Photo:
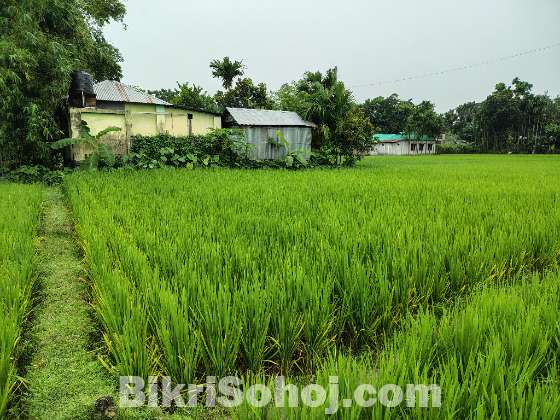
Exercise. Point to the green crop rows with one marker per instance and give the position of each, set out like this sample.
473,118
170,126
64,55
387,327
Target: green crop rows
20,206
265,272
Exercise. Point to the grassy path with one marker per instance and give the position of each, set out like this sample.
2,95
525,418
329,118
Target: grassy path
64,378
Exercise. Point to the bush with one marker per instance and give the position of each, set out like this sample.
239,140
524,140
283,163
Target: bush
455,148
223,147
26,174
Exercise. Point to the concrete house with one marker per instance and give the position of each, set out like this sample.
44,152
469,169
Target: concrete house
260,124
399,144
111,103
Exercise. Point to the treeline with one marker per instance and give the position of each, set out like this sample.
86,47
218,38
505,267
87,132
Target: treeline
511,119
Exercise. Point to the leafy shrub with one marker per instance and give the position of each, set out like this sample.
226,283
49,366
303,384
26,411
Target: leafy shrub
102,152
455,148
223,146
26,174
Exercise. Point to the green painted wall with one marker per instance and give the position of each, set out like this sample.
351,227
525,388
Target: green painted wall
144,119
145,124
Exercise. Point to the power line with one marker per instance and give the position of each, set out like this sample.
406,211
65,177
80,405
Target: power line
457,69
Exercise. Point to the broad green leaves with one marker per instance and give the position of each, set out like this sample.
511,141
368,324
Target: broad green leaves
102,151
106,154
290,154
66,142
91,162
227,70
106,131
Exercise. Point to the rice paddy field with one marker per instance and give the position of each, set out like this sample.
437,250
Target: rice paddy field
437,270
20,206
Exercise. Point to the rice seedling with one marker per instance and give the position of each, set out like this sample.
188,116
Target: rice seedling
265,271
20,206
257,311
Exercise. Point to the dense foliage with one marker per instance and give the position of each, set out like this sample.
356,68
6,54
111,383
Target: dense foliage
342,128
268,272
244,95
41,42
389,115
220,147
511,119
453,148
424,122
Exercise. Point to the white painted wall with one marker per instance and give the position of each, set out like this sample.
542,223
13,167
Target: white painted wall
402,148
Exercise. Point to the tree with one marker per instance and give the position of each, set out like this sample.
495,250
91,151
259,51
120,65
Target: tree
193,97
341,129
167,95
244,95
424,121
552,121
389,114
289,98
499,117
102,151
42,42
227,71
461,121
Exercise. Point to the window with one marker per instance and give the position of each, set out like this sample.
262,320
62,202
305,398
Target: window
430,147
413,147
421,147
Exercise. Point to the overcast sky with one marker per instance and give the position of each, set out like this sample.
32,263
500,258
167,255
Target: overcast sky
369,41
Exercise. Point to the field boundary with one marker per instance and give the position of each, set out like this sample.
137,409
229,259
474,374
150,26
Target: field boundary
64,377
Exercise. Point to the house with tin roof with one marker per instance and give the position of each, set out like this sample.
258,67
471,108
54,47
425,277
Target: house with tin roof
403,144
260,125
111,103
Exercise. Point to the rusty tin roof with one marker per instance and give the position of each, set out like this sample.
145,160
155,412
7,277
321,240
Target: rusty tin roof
111,90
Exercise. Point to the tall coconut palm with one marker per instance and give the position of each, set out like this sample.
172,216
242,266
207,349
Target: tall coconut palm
227,70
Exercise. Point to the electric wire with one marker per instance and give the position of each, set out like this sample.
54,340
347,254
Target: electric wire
457,69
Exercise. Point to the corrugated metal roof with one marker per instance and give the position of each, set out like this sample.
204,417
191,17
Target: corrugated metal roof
397,137
111,90
264,117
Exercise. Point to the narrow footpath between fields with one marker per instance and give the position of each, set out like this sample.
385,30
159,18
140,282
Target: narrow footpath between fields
65,377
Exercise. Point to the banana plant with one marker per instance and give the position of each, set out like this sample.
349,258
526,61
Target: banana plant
102,151
290,154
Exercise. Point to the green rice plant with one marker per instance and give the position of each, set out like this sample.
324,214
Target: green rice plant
250,407
314,259
219,328
256,312
494,358
177,337
314,300
20,206
286,325
125,322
